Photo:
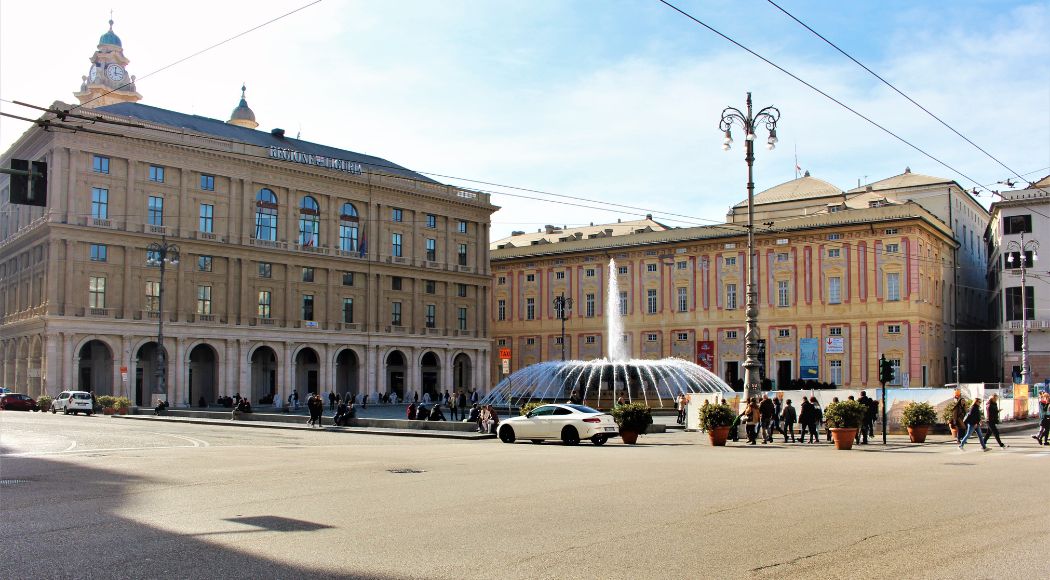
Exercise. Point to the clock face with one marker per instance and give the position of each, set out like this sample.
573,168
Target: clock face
93,74
115,72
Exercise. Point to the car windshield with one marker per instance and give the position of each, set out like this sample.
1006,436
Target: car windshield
81,396
583,408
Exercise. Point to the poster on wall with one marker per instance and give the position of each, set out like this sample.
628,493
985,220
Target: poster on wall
705,354
809,361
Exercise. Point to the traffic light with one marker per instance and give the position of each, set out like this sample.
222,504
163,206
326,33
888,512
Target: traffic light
29,189
885,371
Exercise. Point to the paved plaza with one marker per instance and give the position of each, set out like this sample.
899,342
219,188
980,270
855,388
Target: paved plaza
102,497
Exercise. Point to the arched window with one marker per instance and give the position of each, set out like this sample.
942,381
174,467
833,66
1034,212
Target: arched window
266,215
309,222
348,232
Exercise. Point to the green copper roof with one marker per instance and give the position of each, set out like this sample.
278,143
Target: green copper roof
109,37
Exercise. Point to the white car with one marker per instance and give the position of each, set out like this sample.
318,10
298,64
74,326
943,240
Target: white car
569,423
73,402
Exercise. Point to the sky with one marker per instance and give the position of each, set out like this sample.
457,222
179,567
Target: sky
615,101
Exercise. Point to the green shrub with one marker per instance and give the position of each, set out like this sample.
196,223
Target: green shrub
845,414
121,403
712,416
916,414
946,414
106,401
528,407
44,402
634,417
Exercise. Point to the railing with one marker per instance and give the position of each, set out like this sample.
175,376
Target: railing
159,230
348,326
206,236
397,329
464,269
99,222
205,317
434,331
467,333
1032,324
99,311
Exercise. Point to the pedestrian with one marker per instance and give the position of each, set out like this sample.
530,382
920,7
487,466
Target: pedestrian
364,401
992,409
873,403
410,412
862,433
808,418
789,416
766,411
473,396
959,416
452,407
973,424
734,428
316,407
680,407
1043,437
776,417
340,418
575,398
331,400
422,413
295,400
436,414
461,404
415,396
475,416
752,418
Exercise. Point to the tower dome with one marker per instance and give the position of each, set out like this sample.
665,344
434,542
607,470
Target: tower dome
110,37
243,116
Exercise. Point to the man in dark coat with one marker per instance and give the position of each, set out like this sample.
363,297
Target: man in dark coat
789,417
766,410
316,407
862,433
461,405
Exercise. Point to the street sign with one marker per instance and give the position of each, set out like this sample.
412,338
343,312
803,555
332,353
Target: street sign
124,374
504,353
506,366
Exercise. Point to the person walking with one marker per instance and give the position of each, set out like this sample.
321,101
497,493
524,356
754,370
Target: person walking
788,415
461,404
973,424
777,409
451,402
805,417
992,409
752,418
820,417
766,411
862,433
1044,419
959,416
316,407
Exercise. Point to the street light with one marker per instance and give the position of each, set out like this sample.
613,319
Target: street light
159,254
1022,248
561,304
749,122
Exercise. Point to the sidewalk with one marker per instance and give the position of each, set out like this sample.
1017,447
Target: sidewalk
263,423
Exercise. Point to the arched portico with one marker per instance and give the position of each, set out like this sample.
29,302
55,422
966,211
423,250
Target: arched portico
430,374
462,373
263,382
147,387
202,374
95,368
347,372
395,373
307,371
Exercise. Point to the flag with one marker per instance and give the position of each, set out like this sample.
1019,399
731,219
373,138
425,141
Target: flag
363,250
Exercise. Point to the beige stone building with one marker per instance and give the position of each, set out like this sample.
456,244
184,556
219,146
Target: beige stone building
836,289
301,266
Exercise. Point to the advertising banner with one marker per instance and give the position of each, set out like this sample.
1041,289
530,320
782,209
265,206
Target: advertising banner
705,354
809,360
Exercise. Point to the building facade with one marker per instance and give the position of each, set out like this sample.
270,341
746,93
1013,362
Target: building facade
302,267
1018,230
835,291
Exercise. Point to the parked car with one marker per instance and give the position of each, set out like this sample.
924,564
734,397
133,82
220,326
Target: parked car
73,402
569,423
17,402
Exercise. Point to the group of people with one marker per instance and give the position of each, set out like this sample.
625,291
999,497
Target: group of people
1044,419
967,421
769,415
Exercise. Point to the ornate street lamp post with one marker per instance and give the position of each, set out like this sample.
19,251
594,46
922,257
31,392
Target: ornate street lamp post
749,122
1022,248
561,304
159,254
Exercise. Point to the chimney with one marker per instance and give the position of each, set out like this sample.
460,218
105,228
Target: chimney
279,133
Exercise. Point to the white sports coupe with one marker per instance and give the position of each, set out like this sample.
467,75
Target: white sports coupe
570,423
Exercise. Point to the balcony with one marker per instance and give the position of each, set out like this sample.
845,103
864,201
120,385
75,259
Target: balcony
266,244
392,329
466,269
1032,324
348,326
206,236
97,312
262,322
158,230
467,333
396,260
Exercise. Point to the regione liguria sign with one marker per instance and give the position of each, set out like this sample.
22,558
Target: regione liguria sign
294,156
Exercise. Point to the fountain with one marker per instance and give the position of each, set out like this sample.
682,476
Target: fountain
657,383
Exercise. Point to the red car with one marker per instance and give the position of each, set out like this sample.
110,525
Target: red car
17,402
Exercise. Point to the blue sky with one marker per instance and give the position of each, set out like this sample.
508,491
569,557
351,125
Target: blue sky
615,100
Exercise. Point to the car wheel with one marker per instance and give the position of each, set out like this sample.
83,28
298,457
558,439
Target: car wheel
537,441
599,439
89,413
570,436
65,412
53,410
506,434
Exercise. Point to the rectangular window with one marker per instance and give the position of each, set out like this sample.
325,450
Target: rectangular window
530,341
395,282
834,252
590,339
650,301
834,236
530,309
893,286
890,231
730,296
1013,302
834,290
651,337
99,252
589,306
348,237
99,203
97,292
265,270
730,261
730,335
153,258
501,342
156,173
558,340
784,333
431,250
100,164
1017,224
530,277
207,182
836,372
650,267
589,272
461,227
559,275
431,316
152,296
501,309
203,299
308,274
682,265
204,263
395,245
835,331
782,256
207,218
893,248
397,215
623,303
783,293
1012,260
682,336
264,303
461,318
461,290
155,217
395,313
621,270
1018,343
683,299
308,306
893,329
462,254
348,310
432,221
502,280
897,376
348,278
430,287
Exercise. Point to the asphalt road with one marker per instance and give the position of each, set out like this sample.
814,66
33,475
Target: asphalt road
102,497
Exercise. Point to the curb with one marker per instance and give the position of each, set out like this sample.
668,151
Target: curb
331,429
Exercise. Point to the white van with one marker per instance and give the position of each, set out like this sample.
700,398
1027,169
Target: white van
73,402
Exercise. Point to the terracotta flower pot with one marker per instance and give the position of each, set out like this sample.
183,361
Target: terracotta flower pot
955,432
122,411
843,437
108,411
718,436
629,437
918,433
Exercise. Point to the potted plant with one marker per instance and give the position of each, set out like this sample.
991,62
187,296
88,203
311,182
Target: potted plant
844,418
121,404
918,417
633,419
716,419
949,410
43,403
107,403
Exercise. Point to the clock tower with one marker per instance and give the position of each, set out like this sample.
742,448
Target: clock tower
108,81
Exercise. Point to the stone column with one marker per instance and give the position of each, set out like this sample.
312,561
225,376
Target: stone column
288,374
68,361
178,371
376,382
